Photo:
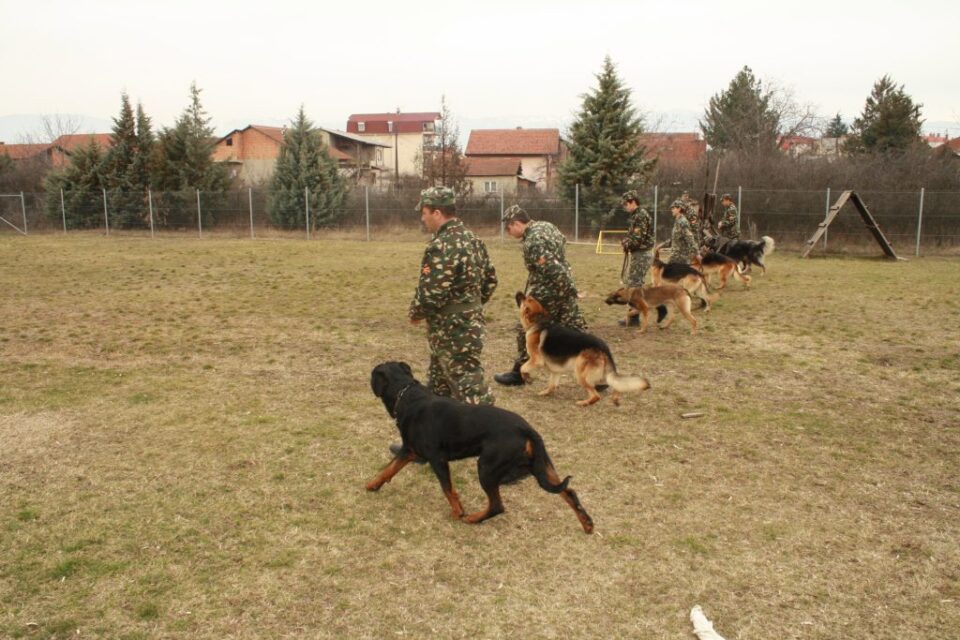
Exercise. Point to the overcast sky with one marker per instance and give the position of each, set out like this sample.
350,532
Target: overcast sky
498,63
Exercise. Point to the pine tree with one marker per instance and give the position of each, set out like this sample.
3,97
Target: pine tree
837,128
126,198
606,157
144,160
303,167
742,117
82,183
890,121
185,164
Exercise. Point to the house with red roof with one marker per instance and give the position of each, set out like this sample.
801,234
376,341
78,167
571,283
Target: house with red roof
540,151
407,135
251,153
58,152
677,150
494,176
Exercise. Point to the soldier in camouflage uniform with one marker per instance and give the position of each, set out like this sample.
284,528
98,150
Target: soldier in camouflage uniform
682,241
549,279
638,244
692,213
729,225
456,280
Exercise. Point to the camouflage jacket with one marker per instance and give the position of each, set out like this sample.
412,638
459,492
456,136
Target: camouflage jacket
455,270
728,226
640,234
693,216
682,242
544,255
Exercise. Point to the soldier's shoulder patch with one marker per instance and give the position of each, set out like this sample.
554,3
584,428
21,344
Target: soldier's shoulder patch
425,270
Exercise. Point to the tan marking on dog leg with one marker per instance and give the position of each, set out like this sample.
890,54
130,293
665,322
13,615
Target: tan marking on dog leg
570,497
494,507
552,385
685,310
388,472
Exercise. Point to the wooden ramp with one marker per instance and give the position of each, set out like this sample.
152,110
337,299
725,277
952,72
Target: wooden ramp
867,220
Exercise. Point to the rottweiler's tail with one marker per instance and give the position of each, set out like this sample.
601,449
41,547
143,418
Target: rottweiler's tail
542,468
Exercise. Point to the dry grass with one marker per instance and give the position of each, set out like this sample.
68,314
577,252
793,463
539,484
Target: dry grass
186,427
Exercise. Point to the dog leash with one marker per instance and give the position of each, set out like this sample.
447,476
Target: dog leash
396,403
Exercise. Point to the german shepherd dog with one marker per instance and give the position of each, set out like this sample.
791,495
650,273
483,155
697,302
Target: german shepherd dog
681,274
746,252
561,349
439,430
723,266
644,298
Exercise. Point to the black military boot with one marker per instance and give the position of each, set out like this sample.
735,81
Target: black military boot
634,321
511,378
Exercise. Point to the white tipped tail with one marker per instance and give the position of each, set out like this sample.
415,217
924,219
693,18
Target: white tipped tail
768,245
626,383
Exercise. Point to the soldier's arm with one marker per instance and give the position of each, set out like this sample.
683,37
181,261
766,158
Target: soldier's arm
488,282
433,289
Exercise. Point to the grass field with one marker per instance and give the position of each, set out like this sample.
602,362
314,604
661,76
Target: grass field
186,428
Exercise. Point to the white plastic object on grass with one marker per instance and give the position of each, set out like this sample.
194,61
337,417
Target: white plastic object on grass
702,627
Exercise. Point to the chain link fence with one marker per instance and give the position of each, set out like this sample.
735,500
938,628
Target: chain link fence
915,222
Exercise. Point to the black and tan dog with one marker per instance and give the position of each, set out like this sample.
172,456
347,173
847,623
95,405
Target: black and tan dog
439,430
723,266
644,298
685,275
562,349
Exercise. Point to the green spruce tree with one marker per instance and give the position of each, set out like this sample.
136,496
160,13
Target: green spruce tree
742,118
837,128
304,167
82,183
125,197
890,122
606,157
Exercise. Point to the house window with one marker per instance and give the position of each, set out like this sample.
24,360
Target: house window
389,126
489,186
379,156
361,126
428,126
229,142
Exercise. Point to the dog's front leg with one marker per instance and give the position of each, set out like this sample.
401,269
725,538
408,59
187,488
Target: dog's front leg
442,471
390,470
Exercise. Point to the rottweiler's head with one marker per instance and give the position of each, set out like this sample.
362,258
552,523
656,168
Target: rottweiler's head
531,311
387,379
620,296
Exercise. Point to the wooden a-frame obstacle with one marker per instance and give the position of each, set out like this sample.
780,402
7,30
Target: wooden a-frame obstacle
867,220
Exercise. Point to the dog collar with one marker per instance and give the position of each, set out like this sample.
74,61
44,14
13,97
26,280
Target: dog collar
396,403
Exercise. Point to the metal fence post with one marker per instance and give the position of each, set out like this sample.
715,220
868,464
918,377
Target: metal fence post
199,215
23,208
919,220
739,204
826,213
63,211
106,218
150,205
656,203
501,216
366,207
250,200
306,208
576,213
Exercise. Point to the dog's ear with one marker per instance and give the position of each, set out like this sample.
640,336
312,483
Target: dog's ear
379,381
406,367
520,298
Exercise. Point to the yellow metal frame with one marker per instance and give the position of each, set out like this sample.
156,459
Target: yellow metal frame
600,250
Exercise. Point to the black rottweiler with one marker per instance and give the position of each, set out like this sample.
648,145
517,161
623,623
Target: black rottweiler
440,429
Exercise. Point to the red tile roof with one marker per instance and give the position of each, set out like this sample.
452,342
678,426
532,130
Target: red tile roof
513,142
69,142
674,148
478,167
22,151
424,116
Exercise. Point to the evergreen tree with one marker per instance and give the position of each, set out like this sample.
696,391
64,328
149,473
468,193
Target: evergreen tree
606,157
837,128
82,183
303,167
185,163
126,198
743,117
144,160
890,121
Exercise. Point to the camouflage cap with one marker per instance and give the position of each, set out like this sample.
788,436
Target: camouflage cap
679,204
726,196
436,197
630,195
685,194
513,211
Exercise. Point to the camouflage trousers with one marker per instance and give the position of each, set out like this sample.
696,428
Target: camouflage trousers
456,341
563,311
637,271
